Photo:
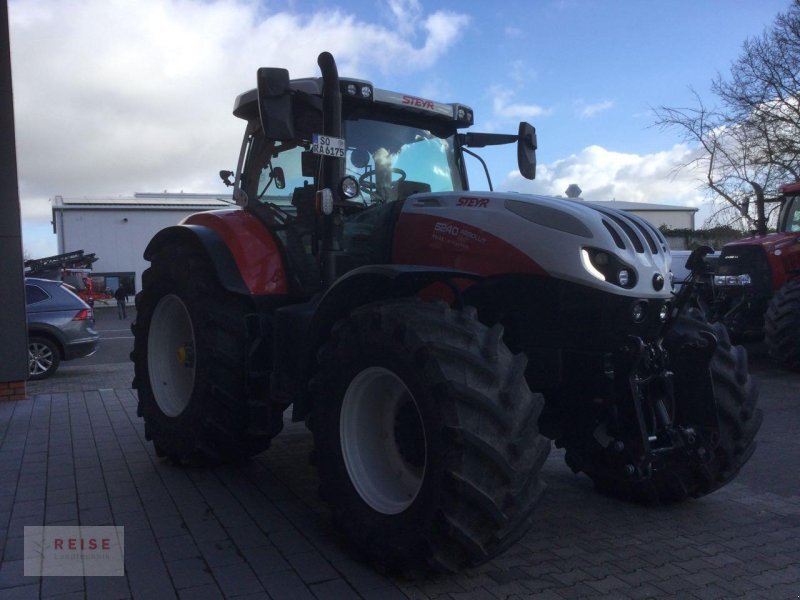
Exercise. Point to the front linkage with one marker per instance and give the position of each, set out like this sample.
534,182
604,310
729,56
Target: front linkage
648,427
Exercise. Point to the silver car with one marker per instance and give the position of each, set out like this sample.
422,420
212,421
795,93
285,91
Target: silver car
60,326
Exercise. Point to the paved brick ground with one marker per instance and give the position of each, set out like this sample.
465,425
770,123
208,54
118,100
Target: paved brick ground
258,530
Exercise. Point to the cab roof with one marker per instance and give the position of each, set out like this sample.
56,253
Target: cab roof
246,104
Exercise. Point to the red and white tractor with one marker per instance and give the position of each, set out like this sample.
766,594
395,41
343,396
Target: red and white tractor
434,339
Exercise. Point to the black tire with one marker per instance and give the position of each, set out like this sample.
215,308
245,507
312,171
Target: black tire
474,440
219,414
735,396
43,358
782,326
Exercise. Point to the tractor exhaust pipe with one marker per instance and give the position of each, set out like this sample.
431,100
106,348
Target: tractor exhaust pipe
331,117
332,168
761,217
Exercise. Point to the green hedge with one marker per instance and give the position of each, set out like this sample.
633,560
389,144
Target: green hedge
716,237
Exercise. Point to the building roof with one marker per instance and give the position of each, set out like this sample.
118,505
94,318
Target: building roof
184,201
141,201
641,206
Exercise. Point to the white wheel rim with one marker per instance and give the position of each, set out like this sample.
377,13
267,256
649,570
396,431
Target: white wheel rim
171,359
40,358
385,471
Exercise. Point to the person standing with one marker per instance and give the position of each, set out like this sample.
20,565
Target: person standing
122,299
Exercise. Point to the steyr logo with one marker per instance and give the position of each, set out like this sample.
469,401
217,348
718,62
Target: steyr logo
418,102
473,202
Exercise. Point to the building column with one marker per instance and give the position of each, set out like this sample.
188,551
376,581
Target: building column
14,348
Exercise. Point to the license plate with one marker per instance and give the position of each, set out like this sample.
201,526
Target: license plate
327,145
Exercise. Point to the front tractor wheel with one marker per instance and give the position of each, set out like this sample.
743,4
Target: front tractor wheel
426,436
382,440
782,326
191,355
722,392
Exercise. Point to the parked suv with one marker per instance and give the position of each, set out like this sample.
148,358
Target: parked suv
60,326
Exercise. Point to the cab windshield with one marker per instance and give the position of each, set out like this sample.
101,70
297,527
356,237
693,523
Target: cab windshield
392,161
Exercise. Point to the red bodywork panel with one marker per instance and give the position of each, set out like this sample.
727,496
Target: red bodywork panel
253,247
436,241
783,254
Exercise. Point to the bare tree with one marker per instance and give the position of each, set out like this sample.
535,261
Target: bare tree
750,144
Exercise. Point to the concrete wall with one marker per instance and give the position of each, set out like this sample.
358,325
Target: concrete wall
118,237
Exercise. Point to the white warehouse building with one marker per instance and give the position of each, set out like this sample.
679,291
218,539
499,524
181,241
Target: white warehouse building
117,229
667,215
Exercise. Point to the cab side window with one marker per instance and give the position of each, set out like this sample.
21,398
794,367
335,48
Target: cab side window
793,219
282,175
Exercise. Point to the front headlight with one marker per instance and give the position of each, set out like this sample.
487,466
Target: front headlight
663,312
607,267
348,187
639,312
733,280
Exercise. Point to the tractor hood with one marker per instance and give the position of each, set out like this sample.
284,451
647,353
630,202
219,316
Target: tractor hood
770,242
493,233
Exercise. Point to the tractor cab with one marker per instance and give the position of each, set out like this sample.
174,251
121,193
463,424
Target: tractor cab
328,163
789,218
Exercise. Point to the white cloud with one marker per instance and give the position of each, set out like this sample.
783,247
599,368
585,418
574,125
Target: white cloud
506,108
406,14
522,73
118,96
586,111
607,175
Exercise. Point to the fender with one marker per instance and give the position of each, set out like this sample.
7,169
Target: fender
358,287
243,252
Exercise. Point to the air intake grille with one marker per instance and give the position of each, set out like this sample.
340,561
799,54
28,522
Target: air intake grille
629,231
617,237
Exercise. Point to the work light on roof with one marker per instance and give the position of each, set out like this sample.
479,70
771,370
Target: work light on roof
356,89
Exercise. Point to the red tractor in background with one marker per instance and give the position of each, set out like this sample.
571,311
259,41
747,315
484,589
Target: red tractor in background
433,339
756,283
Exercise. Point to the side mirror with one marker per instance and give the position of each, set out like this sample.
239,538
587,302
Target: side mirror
275,104
359,158
278,177
309,164
526,150
696,261
226,177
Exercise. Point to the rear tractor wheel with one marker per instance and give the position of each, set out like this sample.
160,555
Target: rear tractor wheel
426,436
191,356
